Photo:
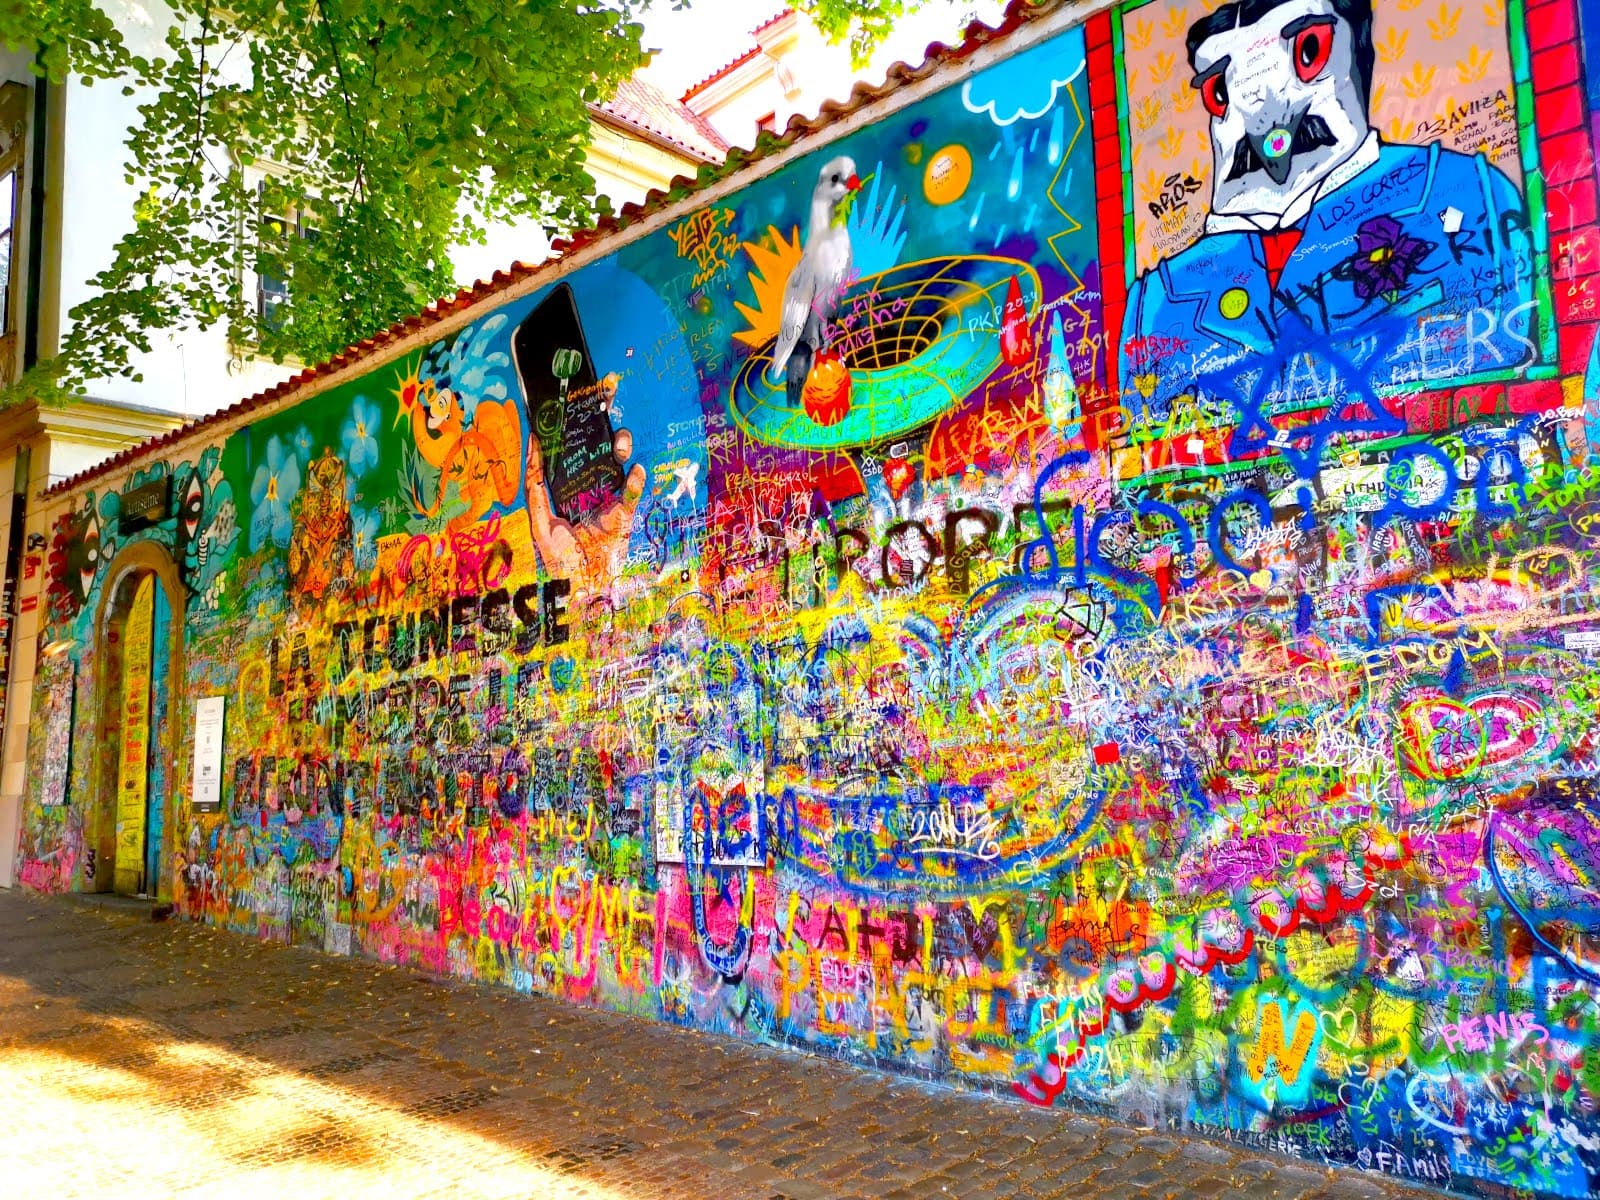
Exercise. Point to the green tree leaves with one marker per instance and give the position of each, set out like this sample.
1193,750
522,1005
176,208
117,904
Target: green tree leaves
385,130
338,147
864,22
63,36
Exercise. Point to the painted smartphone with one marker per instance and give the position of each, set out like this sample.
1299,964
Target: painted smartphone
569,407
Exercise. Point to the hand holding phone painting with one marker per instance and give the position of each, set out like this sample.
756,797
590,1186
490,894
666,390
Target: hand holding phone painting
550,420
564,366
584,549
580,503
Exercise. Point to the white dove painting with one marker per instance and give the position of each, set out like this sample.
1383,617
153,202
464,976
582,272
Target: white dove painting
811,295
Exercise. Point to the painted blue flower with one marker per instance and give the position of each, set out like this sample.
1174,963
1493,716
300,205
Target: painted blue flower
360,437
274,488
364,526
303,444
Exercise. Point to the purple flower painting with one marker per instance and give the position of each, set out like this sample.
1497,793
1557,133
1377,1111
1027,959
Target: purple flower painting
1386,257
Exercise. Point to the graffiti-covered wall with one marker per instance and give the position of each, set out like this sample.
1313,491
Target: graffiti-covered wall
1077,587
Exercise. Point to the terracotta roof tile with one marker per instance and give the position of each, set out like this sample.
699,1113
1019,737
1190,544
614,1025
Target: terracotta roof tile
977,35
729,68
642,104
782,14
722,72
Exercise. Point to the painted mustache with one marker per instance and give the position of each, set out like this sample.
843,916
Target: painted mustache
1306,133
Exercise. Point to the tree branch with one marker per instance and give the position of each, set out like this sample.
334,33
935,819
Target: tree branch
356,128
200,87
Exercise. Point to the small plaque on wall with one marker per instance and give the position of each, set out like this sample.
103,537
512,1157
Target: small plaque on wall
146,505
208,713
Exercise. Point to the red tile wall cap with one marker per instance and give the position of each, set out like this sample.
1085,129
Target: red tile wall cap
977,35
783,15
727,69
720,73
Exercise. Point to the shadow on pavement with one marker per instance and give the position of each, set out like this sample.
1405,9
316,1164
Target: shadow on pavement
169,1059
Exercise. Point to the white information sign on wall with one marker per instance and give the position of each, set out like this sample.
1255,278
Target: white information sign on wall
208,752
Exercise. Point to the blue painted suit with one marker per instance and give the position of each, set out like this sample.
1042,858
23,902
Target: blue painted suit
1463,304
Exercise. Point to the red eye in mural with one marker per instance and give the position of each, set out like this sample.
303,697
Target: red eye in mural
1312,45
1214,94
193,504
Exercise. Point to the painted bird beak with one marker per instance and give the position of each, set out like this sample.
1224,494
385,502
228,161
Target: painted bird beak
853,183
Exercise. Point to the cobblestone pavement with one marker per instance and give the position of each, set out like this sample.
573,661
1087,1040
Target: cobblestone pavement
140,1059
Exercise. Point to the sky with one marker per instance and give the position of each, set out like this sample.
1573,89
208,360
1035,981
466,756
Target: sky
696,41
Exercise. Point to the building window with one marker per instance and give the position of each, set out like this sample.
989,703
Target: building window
13,123
767,124
272,257
8,243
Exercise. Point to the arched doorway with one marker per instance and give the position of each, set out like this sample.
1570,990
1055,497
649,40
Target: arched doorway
138,659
